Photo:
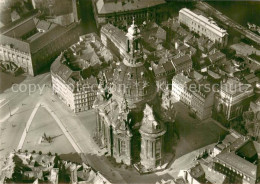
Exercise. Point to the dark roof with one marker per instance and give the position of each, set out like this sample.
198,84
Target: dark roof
158,69
168,66
19,21
216,56
46,38
240,162
16,43
104,7
181,60
13,34
69,76
55,7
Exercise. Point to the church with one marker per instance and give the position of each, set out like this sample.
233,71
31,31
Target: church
127,124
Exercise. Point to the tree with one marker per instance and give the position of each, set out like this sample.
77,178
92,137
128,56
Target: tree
36,164
40,152
31,158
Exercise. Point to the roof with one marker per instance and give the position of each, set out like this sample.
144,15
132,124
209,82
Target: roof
129,77
235,87
231,156
216,56
15,43
181,78
251,78
213,176
182,61
14,34
114,33
168,67
69,76
54,6
158,69
42,24
105,7
46,38
195,75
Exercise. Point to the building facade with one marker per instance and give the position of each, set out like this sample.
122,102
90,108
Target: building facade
180,88
76,92
202,103
203,26
198,95
113,38
233,98
68,72
32,44
238,161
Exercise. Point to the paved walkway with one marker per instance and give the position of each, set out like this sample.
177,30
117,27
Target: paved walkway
28,124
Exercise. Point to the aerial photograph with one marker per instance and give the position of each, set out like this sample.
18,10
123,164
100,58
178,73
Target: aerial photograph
130,91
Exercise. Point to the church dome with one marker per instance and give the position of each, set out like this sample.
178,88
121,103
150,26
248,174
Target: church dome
135,84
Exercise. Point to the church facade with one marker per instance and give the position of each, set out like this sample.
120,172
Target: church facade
126,123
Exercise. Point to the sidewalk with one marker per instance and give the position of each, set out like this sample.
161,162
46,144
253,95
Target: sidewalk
28,124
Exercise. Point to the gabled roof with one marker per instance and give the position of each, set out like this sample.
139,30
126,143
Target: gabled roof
182,60
216,56
242,155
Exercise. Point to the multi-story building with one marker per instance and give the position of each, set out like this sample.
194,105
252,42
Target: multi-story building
32,44
69,79
182,64
202,100
233,98
238,160
198,95
61,13
180,88
163,71
76,92
202,173
114,38
122,12
203,26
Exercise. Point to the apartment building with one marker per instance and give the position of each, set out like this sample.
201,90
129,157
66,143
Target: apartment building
180,88
69,80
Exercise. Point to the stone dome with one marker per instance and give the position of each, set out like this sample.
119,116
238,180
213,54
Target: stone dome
135,84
